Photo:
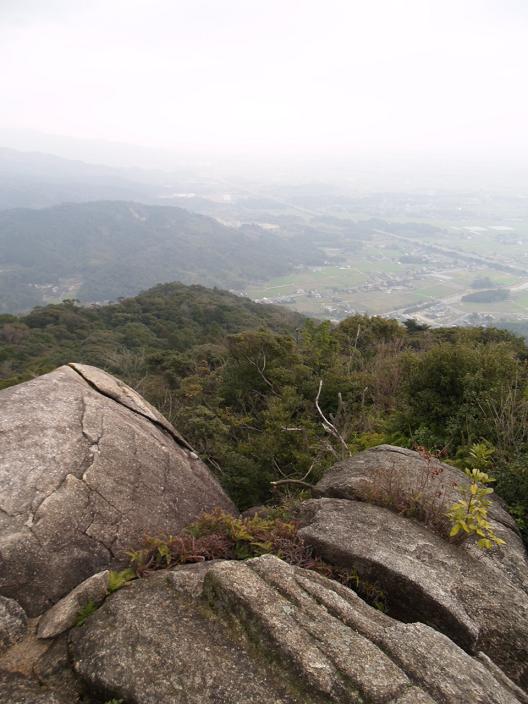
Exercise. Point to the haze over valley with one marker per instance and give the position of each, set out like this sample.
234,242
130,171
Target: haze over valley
211,143
71,229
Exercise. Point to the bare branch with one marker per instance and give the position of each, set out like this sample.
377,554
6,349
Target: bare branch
215,465
357,336
299,482
327,425
310,468
279,470
261,371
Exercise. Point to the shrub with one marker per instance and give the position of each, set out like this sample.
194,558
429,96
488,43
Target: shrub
469,515
421,496
219,535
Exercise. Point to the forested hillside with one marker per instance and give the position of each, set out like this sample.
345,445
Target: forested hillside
167,318
266,395
101,251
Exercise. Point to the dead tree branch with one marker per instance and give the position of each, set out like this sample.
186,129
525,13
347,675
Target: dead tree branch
298,482
328,425
261,370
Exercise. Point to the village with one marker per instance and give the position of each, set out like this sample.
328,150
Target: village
402,278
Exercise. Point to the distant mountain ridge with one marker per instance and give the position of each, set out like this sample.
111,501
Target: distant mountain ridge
104,250
37,180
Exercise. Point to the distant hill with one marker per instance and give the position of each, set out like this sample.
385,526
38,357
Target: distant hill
518,327
487,296
35,180
169,318
101,251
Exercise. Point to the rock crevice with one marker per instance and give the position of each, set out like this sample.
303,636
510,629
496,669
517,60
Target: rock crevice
96,468
122,394
477,598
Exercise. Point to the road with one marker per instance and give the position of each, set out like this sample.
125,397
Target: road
461,254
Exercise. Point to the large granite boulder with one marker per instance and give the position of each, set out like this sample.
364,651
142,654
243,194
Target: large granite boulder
413,484
477,598
87,469
264,632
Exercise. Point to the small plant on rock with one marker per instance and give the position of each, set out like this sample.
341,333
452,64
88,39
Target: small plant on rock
469,515
87,610
116,580
219,535
420,495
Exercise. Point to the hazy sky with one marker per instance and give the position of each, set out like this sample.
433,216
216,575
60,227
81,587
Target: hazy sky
261,77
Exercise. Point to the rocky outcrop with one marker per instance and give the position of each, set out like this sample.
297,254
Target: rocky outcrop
87,469
264,632
13,623
64,614
401,478
476,598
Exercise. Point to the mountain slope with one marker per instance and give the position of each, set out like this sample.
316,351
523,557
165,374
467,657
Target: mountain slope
34,180
170,318
104,250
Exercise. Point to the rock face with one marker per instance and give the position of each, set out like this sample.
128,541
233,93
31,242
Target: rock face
13,623
17,689
87,469
394,475
63,615
263,632
476,598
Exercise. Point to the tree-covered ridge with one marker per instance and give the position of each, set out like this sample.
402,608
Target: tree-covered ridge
167,318
265,395
104,250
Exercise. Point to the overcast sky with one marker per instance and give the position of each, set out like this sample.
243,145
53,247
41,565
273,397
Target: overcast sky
266,77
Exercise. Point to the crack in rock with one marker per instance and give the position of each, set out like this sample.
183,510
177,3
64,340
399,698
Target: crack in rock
94,481
164,426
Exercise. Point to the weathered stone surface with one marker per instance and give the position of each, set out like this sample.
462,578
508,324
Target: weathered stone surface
114,388
52,669
263,631
425,578
44,662
437,666
25,653
394,475
17,689
64,613
271,605
501,677
84,475
13,623
153,642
